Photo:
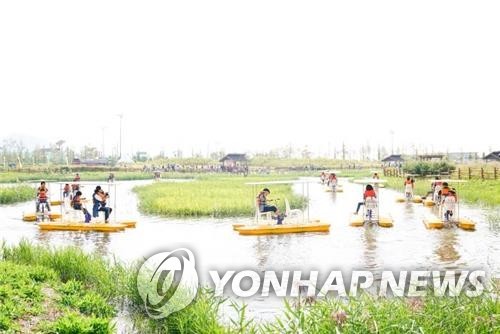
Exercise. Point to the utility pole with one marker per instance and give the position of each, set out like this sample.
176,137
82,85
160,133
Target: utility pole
343,151
120,149
392,141
103,132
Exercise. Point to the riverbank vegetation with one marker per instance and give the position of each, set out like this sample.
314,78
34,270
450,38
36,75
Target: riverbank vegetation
67,291
17,193
16,177
474,191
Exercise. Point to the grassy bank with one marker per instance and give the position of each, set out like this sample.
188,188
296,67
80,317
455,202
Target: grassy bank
13,177
61,291
14,194
474,191
66,291
217,196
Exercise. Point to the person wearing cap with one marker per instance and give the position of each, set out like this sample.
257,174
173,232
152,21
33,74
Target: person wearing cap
264,207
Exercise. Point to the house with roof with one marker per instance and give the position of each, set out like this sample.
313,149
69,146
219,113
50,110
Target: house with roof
493,156
234,162
393,158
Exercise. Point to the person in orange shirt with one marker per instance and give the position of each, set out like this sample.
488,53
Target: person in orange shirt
369,193
443,192
42,196
409,184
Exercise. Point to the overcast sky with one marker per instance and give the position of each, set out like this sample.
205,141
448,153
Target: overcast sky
244,75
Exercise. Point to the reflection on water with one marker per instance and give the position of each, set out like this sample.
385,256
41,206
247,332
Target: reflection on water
408,245
446,250
369,238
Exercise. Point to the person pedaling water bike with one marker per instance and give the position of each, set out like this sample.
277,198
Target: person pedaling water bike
435,188
322,177
409,185
76,186
67,196
67,193
368,195
448,202
76,204
440,190
99,204
42,197
332,180
264,207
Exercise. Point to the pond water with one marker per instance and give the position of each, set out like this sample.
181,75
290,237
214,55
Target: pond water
408,245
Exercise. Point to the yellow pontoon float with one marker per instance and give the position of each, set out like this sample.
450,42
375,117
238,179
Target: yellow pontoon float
73,220
296,220
68,226
429,202
370,208
408,196
443,220
32,217
433,200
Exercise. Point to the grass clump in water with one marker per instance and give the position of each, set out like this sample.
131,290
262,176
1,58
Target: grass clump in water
15,194
216,196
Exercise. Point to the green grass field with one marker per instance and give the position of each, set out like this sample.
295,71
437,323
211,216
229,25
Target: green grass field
478,192
46,291
216,196
63,291
18,193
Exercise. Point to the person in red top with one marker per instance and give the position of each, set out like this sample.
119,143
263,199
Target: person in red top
42,196
369,192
